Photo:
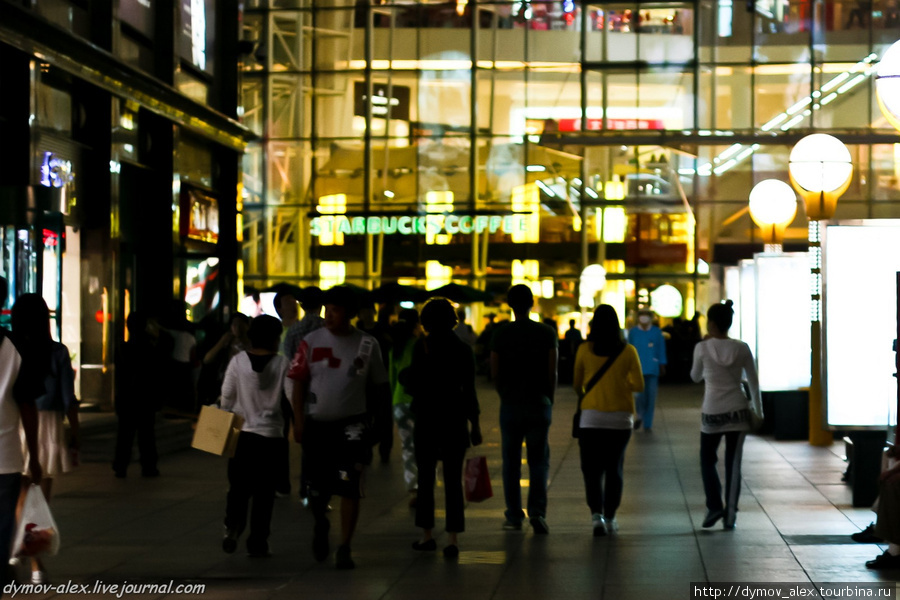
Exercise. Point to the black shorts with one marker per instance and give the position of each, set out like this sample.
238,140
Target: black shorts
334,455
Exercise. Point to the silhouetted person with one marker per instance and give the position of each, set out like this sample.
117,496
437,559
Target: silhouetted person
524,358
140,369
441,380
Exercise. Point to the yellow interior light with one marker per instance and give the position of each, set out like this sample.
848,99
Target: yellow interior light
615,189
438,202
436,274
527,199
334,204
332,273
614,223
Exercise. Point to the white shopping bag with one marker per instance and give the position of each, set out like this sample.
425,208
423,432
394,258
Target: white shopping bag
37,534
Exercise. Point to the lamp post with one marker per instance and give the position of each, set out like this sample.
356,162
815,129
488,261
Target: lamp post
773,205
820,170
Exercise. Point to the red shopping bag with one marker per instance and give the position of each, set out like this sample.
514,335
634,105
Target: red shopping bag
478,481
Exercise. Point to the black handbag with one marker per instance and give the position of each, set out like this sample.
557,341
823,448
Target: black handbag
576,419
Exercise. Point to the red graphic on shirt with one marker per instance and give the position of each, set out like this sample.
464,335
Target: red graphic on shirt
299,370
320,354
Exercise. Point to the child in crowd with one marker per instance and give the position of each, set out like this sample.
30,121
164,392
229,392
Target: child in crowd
253,388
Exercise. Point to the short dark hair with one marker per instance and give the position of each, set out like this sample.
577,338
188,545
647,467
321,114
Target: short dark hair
519,297
312,297
438,315
238,316
722,315
265,332
277,300
343,296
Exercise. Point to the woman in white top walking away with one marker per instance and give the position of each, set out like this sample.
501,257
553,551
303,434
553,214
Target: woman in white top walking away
721,362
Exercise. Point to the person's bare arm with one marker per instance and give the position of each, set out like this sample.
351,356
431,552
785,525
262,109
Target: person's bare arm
29,424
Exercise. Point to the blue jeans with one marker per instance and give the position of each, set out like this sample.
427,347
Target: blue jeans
10,486
645,402
532,425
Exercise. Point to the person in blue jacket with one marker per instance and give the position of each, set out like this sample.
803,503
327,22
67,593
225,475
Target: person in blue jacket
651,347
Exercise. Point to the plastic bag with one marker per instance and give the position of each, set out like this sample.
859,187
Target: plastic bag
37,534
478,481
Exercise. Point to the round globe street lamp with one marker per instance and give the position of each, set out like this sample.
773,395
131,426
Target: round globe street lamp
820,169
887,85
773,205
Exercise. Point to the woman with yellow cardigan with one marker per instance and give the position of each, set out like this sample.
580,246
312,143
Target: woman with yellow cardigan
607,413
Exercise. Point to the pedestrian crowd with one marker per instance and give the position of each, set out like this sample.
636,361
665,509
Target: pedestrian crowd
337,387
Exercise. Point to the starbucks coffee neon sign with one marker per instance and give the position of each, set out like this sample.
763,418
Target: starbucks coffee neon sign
419,225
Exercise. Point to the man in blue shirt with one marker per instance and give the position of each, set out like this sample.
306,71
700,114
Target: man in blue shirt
651,347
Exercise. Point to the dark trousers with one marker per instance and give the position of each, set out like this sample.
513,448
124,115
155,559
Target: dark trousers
602,461
531,425
10,486
283,484
142,424
252,475
427,457
734,450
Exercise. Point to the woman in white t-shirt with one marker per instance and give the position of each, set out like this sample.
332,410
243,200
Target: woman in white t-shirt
721,362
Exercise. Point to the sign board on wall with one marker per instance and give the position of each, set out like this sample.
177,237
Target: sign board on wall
199,216
419,225
385,98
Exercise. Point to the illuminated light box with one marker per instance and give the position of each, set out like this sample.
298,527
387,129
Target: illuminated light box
783,347
860,263
748,303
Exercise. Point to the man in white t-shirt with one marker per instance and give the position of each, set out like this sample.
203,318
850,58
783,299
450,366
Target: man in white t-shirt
340,382
19,387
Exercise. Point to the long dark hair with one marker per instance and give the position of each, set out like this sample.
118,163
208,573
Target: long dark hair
606,335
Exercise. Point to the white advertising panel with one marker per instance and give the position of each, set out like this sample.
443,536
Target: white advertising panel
860,262
748,303
733,293
783,351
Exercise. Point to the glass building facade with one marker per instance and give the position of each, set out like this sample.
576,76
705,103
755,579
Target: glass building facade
492,143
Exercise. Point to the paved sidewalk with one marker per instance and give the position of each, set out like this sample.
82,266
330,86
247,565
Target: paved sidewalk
794,526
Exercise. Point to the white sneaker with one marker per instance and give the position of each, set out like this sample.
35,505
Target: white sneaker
38,577
612,525
599,525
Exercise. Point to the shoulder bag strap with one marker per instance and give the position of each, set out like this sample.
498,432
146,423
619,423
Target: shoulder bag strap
599,374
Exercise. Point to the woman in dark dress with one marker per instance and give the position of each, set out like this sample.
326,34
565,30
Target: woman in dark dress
441,380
